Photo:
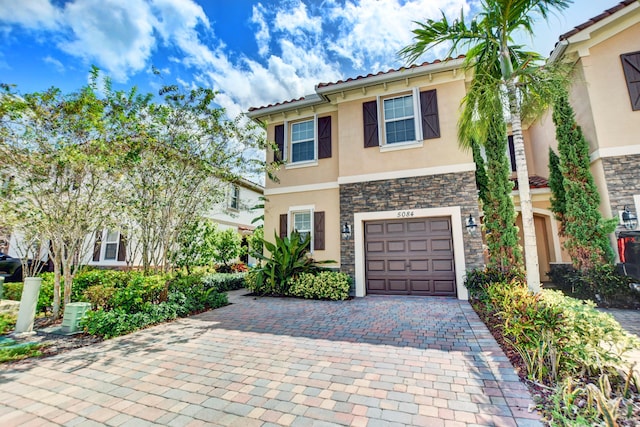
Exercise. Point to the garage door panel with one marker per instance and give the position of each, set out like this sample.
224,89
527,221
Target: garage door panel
397,285
375,247
375,265
419,265
376,284
438,245
444,286
374,228
396,246
410,256
418,245
395,227
440,225
413,226
397,265
442,265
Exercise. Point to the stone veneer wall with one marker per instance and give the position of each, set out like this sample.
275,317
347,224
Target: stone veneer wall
623,181
434,191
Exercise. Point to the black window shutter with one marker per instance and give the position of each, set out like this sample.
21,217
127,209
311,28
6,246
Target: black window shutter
122,248
324,137
279,136
283,226
430,119
631,67
512,154
370,117
97,246
318,231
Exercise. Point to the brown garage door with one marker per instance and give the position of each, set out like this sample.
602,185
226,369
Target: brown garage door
410,257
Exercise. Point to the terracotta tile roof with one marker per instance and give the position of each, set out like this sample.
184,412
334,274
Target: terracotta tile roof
595,19
535,181
276,104
351,79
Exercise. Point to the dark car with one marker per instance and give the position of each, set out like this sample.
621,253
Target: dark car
10,268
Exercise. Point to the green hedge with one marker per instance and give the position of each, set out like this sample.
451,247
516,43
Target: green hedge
225,282
330,285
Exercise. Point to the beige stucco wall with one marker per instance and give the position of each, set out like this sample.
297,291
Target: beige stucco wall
326,170
438,152
605,90
539,137
325,200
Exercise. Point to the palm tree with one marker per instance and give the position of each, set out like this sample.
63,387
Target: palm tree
501,69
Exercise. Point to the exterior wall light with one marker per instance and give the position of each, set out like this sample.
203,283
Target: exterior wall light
629,219
471,225
346,231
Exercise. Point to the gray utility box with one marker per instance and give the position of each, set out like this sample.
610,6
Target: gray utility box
73,313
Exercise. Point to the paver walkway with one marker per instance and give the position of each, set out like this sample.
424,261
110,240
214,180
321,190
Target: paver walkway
374,361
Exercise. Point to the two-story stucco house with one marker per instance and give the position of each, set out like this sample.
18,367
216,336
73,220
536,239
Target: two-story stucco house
379,155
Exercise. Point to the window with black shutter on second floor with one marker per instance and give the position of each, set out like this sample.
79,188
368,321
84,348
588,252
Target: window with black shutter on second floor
631,67
303,142
401,120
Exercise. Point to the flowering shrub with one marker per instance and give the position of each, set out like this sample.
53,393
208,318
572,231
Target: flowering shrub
324,285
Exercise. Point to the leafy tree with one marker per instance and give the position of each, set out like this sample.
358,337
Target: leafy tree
195,245
499,214
501,69
586,231
228,247
178,170
54,145
482,181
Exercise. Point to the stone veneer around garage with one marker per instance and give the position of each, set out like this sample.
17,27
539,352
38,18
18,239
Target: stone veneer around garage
421,192
622,175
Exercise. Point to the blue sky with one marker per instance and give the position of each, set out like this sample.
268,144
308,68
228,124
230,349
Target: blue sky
253,52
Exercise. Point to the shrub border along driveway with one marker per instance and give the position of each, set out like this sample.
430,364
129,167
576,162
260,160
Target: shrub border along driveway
373,361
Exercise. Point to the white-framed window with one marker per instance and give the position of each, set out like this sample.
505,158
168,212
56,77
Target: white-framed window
234,197
301,220
303,141
111,242
399,119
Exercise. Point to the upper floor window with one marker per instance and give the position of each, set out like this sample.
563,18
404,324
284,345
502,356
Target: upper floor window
111,241
399,123
234,197
404,118
631,67
303,141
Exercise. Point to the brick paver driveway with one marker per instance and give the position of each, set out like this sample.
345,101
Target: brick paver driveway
372,361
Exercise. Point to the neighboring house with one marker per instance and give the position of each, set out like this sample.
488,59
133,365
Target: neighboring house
605,94
236,211
380,154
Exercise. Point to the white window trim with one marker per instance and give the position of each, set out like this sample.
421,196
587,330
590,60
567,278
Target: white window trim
232,190
288,142
417,122
103,249
301,209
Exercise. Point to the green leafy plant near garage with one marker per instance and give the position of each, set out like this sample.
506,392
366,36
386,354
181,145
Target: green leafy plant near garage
570,353
330,285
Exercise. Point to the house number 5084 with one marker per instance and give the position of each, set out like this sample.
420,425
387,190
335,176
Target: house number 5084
405,214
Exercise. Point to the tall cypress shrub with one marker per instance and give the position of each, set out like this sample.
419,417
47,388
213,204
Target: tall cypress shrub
586,231
499,213
481,172
556,184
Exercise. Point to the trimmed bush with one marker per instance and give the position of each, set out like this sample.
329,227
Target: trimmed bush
330,285
224,282
478,280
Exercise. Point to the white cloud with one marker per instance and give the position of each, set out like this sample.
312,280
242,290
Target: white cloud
31,14
115,34
296,21
59,66
263,37
373,31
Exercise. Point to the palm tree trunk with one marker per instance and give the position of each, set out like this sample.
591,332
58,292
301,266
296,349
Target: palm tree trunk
526,208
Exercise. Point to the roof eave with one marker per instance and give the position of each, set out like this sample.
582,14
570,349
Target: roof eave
392,76
309,100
